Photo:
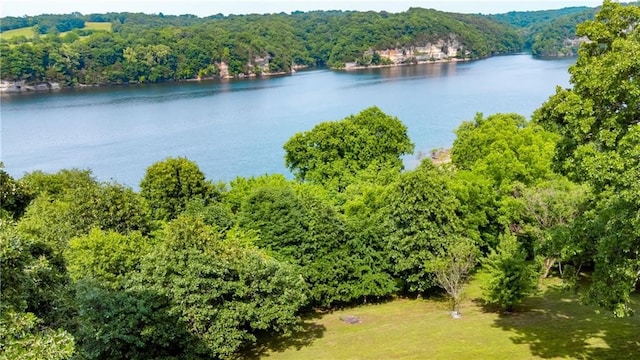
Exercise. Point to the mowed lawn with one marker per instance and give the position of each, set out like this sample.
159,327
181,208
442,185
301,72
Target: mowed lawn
97,25
550,325
27,32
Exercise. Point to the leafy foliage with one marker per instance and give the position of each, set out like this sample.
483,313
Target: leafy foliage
14,197
504,148
152,48
223,294
298,225
334,152
170,184
600,140
422,216
34,306
511,278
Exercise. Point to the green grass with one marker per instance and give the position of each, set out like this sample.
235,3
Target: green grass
550,325
25,31
28,32
98,25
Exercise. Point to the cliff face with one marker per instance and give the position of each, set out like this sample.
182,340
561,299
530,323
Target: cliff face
22,86
442,49
257,66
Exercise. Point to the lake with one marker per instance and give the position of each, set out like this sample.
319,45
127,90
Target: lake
237,127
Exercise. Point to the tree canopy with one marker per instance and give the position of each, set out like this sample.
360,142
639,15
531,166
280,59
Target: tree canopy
188,268
597,120
333,153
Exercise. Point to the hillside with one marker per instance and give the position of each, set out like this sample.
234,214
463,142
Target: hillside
154,48
549,33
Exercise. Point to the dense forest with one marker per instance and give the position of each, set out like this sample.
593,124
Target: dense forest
118,48
152,48
138,48
187,267
549,32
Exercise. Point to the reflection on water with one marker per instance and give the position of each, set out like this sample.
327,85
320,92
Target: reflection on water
237,127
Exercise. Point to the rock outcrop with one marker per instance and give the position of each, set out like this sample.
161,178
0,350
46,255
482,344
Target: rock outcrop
22,86
439,50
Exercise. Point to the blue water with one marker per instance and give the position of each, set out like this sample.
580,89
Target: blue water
237,127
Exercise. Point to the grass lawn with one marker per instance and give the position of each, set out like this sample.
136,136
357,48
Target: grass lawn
550,325
28,32
97,25
25,31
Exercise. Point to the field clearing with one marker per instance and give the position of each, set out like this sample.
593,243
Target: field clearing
551,325
97,25
27,32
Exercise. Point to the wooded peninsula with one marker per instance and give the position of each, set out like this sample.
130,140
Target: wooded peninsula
121,48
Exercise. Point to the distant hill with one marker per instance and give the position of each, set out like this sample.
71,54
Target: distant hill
527,19
549,32
153,48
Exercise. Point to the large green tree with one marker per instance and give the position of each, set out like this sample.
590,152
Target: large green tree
597,120
168,186
332,153
422,215
34,306
57,218
224,294
504,148
299,224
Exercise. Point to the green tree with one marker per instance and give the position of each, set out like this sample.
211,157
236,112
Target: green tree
170,184
511,278
597,120
115,321
504,148
451,271
14,197
332,153
34,305
224,294
547,212
56,219
106,257
300,224
55,185
422,216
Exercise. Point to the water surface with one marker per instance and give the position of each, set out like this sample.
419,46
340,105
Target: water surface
237,127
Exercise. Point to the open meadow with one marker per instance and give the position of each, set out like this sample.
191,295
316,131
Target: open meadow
106,26
29,32
551,325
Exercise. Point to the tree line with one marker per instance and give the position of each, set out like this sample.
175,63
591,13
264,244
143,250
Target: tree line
187,267
152,48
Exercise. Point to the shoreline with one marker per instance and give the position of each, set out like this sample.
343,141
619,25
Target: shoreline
22,87
421,62
8,87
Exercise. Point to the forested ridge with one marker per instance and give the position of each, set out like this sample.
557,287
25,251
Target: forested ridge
142,48
152,48
188,267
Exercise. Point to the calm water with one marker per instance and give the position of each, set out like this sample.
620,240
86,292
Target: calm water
237,128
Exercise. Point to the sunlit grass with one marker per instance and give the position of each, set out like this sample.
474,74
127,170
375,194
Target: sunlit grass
27,32
550,325
98,25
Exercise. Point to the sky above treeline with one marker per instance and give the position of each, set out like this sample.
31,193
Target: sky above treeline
204,8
